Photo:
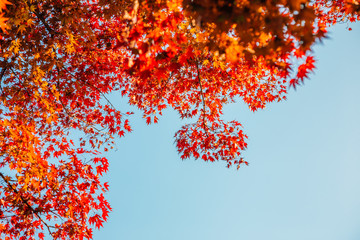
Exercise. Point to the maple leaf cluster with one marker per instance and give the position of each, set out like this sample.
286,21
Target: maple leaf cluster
60,59
3,19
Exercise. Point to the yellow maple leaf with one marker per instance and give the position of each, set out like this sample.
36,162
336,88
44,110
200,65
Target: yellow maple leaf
3,20
3,4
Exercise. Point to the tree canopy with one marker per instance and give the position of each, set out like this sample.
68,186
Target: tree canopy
61,58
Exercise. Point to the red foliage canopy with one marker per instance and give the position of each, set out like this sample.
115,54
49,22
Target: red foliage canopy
60,58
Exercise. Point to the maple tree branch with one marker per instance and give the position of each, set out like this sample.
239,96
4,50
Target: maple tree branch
133,16
86,123
3,70
72,116
97,89
16,75
164,86
42,19
59,216
202,98
26,203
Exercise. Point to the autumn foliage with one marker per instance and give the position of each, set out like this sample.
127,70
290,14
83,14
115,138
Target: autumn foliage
60,59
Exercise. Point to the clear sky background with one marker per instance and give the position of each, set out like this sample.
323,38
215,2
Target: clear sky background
302,182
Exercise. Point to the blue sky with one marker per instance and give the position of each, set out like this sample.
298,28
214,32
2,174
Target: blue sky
302,181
